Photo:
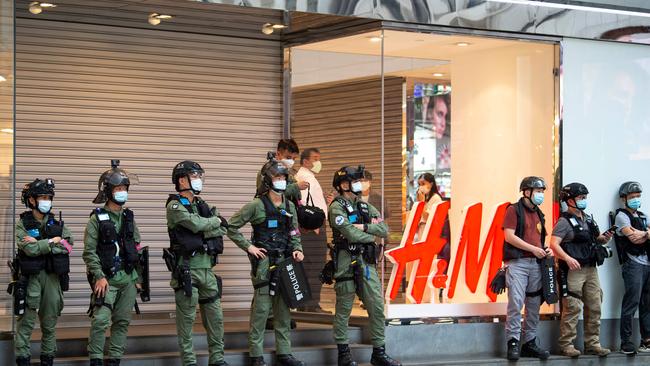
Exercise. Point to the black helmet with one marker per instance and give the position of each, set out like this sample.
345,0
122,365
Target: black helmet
532,183
110,179
38,187
184,169
271,169
347,174
628,188
573,190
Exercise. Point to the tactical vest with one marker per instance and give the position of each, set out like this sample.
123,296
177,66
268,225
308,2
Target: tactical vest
52,263
509,250
110,241
183,240
580,247
274,233
639,223
356,215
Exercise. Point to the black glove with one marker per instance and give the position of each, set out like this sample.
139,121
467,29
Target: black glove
224,222
498,283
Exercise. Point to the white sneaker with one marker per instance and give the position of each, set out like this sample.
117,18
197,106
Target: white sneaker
644,347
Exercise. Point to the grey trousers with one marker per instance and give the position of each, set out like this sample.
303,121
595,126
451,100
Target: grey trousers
523,275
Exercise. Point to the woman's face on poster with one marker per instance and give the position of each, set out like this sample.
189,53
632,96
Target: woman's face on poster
438,116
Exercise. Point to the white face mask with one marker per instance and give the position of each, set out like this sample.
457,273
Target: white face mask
424,190
279,185
44,206
197,185
317,167
357,187
287,163
121,196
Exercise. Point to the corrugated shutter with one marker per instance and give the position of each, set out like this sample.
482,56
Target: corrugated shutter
90,93
343,120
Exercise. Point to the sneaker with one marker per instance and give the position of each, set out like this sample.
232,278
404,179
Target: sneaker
597,351
628,348
571,351
531,349
645,346
513,349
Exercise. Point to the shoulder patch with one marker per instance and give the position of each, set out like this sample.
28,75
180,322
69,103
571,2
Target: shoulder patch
339,220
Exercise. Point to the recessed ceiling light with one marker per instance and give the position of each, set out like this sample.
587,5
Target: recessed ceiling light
269,28
462,44
279,26
36,7
2,78
48,5
438,74
7,130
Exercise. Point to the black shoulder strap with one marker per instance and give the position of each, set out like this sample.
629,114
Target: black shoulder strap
98,211
177,198
128,224
520,219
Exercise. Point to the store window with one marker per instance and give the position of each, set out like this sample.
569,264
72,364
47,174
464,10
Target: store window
6,155
464,119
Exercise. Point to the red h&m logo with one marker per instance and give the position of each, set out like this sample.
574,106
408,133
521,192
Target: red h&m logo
423,252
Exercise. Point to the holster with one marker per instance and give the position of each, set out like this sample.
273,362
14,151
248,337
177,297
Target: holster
19,292
369,253
563,279
186,278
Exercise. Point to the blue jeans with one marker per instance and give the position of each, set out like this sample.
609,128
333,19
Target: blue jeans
637,296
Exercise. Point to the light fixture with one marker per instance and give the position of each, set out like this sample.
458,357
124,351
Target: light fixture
375,39
2,78
155,18
7,130
269,28
574,7
36,7
438,74
462,44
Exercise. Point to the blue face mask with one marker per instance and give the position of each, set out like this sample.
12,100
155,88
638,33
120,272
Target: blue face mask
121,196
44,206
581,204
197,185
634,203
538,198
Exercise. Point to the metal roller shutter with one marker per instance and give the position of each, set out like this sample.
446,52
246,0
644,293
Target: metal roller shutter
88,93
343,120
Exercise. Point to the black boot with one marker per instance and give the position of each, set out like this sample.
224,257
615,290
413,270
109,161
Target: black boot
96,362
345,357
380,358
47,360
530,349
513,349
289,360
257,361
113,362
23,361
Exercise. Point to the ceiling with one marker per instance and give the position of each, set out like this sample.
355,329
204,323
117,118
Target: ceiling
412,45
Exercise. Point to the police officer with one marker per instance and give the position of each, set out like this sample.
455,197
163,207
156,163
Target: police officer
40,271
575,241
275,237
196,237
286,154
355,224
111,254
633,245
524,233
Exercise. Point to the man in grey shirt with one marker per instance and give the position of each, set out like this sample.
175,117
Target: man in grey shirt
633,237
573,242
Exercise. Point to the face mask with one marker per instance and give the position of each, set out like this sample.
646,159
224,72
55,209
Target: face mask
365,186
44,206
121,196
634,203
197,185
581,204
287,163
357,187
279,185
317,167
538,198
424,190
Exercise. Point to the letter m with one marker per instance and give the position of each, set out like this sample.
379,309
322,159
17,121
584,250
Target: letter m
468,247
